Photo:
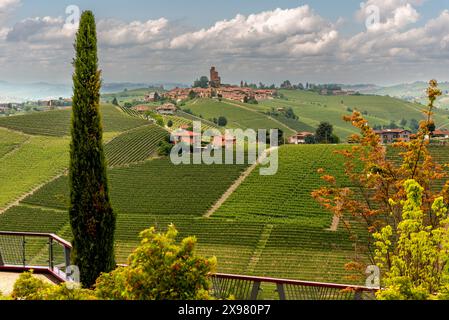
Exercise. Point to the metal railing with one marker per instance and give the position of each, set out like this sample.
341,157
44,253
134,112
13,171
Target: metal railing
41,252
240,287
50,254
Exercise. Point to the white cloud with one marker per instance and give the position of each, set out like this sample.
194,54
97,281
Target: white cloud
288,32
117,33
6,7
388,15
281,42
46,29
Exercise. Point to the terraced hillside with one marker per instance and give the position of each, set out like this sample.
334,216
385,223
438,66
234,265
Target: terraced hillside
33,162
286,195
135,145
153,187
10,141
289,240
57,123
238,116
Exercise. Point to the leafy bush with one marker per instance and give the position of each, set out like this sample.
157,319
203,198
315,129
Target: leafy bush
415,266
159,269
28,287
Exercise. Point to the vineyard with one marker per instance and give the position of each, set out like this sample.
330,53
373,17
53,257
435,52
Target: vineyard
134,146
178,122
238,117
286,196
312,108
32,163
57,123
153,187
10,141
132,112
269,227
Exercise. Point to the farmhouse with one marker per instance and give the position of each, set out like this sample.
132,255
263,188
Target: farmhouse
300,137
441,134
185,136
167,108
224,141
393,135
141,108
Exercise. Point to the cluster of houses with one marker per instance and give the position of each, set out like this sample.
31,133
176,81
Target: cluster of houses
337,92
217,90
226,92
388,136
188,137
165,109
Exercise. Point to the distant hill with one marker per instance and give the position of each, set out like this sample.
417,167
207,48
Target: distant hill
415,91
13,92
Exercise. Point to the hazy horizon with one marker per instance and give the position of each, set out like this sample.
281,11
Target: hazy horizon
383,42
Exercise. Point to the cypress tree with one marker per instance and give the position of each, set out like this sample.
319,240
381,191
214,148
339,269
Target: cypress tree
91,216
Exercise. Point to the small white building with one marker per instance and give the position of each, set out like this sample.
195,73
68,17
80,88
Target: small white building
300,137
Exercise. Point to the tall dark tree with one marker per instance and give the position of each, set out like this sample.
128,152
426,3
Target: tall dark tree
91,216
324,132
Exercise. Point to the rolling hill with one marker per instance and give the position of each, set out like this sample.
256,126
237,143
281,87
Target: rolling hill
57,123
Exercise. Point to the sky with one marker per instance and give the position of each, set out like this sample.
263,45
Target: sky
323,41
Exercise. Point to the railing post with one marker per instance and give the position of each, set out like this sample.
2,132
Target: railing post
23,251
281,291
67,255
255,290
50,253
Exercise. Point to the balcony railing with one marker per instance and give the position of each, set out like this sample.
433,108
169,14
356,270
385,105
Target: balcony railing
42,252
50,254
256,288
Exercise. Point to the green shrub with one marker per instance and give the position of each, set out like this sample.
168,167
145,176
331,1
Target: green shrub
159,269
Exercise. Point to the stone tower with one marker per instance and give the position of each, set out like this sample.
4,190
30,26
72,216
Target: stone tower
215,80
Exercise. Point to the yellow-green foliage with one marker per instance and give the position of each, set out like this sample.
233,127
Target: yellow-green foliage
28,287
414,266
159,269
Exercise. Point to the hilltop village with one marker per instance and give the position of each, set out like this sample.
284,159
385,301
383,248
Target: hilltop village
216,89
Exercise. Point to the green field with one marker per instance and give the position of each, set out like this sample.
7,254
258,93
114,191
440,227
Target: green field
135,145
282,236
153,187
33,163
10,141
312,108
270,226
127,96
238,117
57,123
286,195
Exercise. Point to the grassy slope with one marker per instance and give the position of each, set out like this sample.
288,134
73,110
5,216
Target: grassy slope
238,117
313,108
57,123
10,141
181,195
28,161
35,162
286,195
135,145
